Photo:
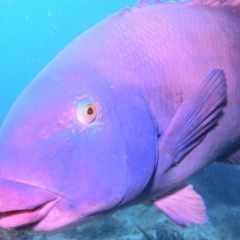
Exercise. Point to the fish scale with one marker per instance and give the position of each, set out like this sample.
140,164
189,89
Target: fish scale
182,53
125,114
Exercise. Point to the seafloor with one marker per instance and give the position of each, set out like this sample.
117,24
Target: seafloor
220,188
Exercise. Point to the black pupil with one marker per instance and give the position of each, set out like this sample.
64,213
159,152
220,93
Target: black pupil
90,111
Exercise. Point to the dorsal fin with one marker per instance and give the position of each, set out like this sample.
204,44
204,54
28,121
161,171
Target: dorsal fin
141,3
122,12
214,2
144,3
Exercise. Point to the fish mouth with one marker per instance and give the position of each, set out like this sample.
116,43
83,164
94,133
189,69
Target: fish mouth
23,205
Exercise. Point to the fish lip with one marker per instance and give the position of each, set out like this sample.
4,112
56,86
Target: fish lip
23,204
26,219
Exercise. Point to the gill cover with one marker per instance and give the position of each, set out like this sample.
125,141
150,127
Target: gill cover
73,134
139,130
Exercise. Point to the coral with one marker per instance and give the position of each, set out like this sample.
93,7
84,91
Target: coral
106,228
20,235
162,233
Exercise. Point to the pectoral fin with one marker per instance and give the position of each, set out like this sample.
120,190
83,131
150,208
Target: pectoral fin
184,207
198,115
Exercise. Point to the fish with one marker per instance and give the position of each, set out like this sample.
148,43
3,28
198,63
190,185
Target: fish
125,114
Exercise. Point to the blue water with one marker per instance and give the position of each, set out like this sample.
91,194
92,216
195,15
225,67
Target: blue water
32,32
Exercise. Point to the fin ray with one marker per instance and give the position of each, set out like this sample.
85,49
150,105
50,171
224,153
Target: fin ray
215,2
184,207
142,3
195,118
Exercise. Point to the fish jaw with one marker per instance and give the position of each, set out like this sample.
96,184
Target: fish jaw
33,207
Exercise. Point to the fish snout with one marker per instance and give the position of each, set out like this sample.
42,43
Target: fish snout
23,205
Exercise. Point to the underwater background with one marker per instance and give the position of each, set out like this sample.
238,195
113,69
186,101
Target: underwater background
32,32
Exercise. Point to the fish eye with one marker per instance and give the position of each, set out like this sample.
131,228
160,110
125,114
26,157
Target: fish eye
86,112
90,111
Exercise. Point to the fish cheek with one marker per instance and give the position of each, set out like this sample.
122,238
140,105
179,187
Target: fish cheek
97,167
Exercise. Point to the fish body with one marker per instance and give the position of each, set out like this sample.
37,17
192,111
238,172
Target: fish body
178,42
103,125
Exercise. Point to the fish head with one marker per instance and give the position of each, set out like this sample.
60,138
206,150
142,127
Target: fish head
74,146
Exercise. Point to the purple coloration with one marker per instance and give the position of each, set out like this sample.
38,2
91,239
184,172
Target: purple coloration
126,113
141,3
123,11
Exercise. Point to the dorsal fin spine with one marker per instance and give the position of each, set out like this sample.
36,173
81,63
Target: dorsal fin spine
144,3
141,3
214,2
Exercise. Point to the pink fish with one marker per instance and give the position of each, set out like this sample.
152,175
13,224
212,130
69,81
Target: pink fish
125,114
